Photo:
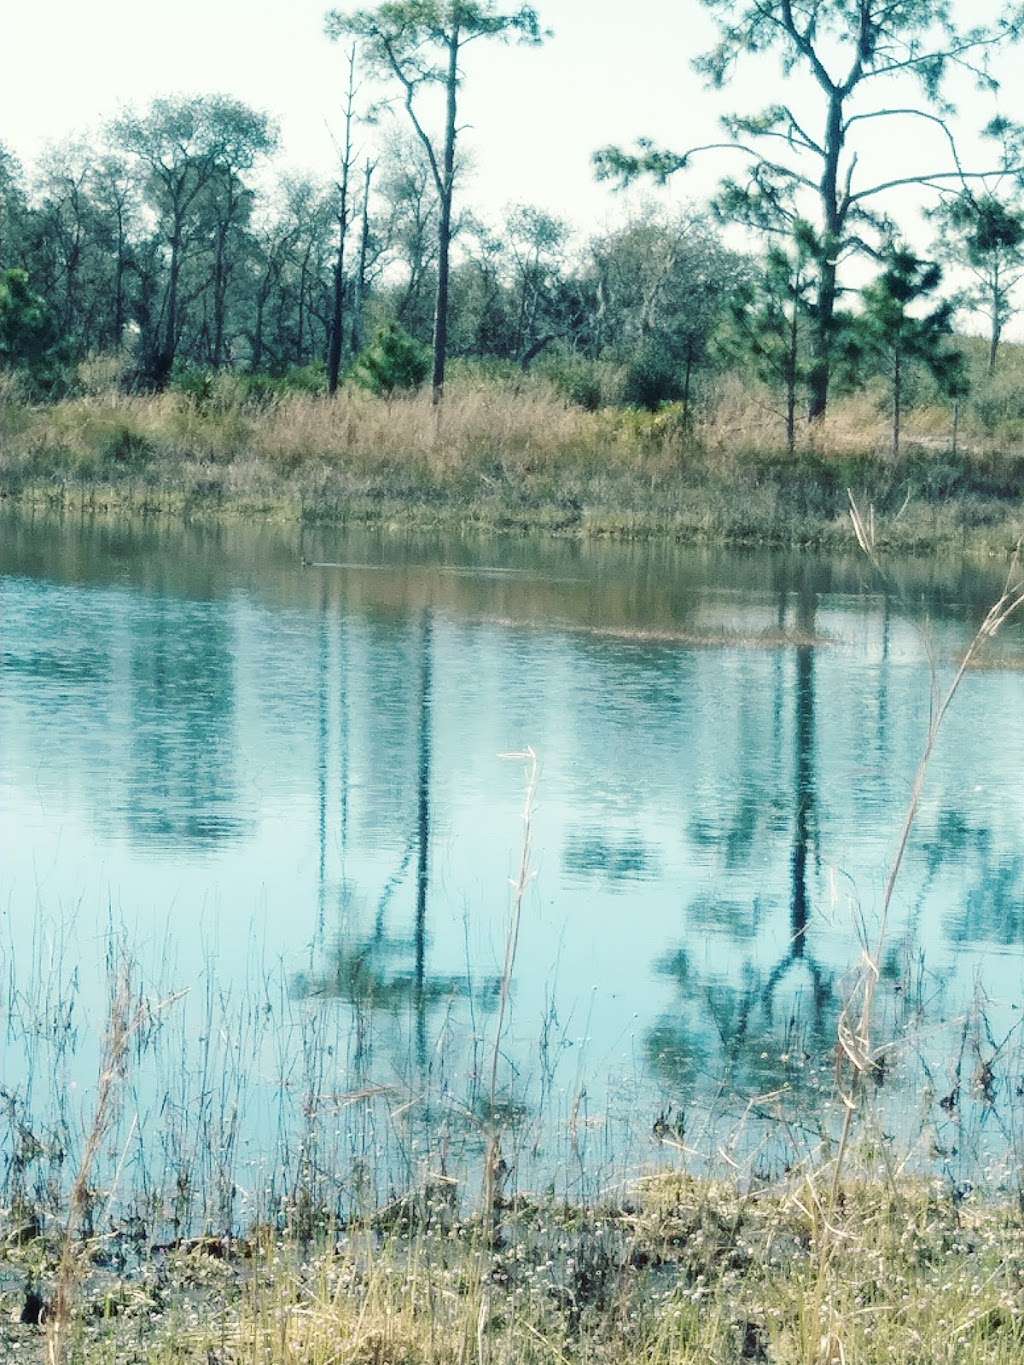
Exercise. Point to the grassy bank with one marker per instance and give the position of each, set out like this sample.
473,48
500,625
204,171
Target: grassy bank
670,1271
507,458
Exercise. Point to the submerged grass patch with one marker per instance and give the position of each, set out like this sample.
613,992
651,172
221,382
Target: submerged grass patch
768,639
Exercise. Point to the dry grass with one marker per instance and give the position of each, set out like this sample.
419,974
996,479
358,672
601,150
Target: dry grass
507,456
677,1271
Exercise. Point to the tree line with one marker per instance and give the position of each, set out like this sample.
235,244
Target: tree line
164,243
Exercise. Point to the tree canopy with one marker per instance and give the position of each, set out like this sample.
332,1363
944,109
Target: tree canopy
860,56
418,44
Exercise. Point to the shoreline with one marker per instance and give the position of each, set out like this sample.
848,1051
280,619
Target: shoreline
673,1271
942,527
509,463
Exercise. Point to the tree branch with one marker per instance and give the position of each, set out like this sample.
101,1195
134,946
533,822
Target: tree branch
953,54
863,49
410,93
930,180
665,164
912,113
809,141
804,45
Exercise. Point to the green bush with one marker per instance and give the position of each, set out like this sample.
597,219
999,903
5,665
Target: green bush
644,430
29,342
484,370
310,378
231,388
653,377
998,405
590,384
124,447
26,327
262,389
393,361
195,382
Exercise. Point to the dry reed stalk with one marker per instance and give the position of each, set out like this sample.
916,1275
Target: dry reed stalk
493,1158
855,1048
119,1031
519,885
122,1025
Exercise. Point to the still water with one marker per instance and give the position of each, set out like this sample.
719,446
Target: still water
247,745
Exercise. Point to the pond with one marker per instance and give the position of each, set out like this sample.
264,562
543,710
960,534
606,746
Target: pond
276,764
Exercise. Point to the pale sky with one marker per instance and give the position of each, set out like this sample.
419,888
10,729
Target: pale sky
612,71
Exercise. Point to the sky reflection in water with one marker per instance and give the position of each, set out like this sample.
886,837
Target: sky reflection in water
235,754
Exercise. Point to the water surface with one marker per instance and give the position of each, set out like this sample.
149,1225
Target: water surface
245,745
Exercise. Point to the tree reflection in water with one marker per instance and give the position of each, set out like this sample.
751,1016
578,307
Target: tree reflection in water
182,788
384,973
731,1030
615,862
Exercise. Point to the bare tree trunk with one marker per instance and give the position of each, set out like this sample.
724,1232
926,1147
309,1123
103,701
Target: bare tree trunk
336,345
358,334
833,216
119,287
997,323
534,351
687,383
300,341
220,292
444,235
792,361
164,359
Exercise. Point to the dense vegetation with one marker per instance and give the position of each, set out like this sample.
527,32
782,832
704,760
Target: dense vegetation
159,248
677,1272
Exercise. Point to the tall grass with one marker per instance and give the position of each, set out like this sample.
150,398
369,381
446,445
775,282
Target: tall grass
359,1233
518,454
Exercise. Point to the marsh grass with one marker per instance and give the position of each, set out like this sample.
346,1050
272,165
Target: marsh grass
372,1229
770,638
517,456
671,1272
857,1052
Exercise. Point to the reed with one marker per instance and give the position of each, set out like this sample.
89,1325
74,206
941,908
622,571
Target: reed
125,1019
358,1234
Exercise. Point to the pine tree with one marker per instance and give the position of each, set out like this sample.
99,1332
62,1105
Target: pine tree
771,315
892,332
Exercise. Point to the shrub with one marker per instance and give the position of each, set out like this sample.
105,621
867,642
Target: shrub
652,377
393,360
484,370
125,447
647,431
998,405
590,384
99,374
29,341
264,389
310,378
195,382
